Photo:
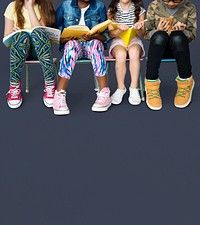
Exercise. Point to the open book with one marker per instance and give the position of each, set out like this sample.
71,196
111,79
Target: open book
54,34
79,30
171,22
127,35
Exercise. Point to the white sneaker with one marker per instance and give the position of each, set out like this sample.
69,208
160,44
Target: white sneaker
134,97
117,97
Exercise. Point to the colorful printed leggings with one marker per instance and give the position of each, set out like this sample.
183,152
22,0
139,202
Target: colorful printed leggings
76,49
37,45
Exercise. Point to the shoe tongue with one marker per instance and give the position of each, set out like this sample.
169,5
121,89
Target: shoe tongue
105,90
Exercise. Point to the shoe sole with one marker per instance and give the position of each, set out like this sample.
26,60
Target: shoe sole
103,109
47,104
188,102
134,103
153,108
116,103
14,106
60,113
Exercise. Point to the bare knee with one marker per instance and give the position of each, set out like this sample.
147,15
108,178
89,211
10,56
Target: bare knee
135,52
119,54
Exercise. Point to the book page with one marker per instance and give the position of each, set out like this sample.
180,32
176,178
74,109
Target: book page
75,31
54,34
114,25
78,27
8,39
100,27
127,35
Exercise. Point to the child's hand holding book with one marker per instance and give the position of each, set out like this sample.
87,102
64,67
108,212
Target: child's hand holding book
122,27
170,24
164,25
97,35
179,26
139,27
15,29
64,40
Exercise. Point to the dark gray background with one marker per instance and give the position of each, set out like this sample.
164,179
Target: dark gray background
129,165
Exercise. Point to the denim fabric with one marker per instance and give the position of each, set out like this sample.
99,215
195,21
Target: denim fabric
69,13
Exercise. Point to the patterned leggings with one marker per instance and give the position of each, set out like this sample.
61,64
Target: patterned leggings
76,49
34,46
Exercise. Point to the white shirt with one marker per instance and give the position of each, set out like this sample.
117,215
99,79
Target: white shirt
82,20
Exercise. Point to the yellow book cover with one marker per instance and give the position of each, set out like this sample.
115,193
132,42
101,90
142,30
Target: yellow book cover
127,35
78,30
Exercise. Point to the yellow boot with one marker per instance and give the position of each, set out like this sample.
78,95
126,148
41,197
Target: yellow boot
184,92
153,98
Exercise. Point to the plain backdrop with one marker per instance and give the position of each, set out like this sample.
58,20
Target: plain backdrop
130,165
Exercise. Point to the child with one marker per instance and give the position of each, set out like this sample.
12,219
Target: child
89,13
170,27
126,14
27,14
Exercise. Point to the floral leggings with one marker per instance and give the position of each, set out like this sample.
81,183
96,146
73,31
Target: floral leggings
76,49
35,46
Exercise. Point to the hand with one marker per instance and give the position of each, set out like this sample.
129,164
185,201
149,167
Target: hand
122,27
87,37
15,29
29,3
64,40
139,25
179,26
163,25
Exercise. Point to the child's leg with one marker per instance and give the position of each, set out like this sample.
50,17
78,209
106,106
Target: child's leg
157,46
185,82
19,51
180,48
43,49
156,50
72,52
134,66
94,51
134,52
120,54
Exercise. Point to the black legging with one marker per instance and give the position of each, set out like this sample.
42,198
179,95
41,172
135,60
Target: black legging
163,46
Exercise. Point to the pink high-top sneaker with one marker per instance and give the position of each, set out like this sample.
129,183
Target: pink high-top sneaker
59,104
103,101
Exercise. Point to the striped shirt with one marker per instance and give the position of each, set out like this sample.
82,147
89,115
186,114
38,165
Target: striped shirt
127,16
